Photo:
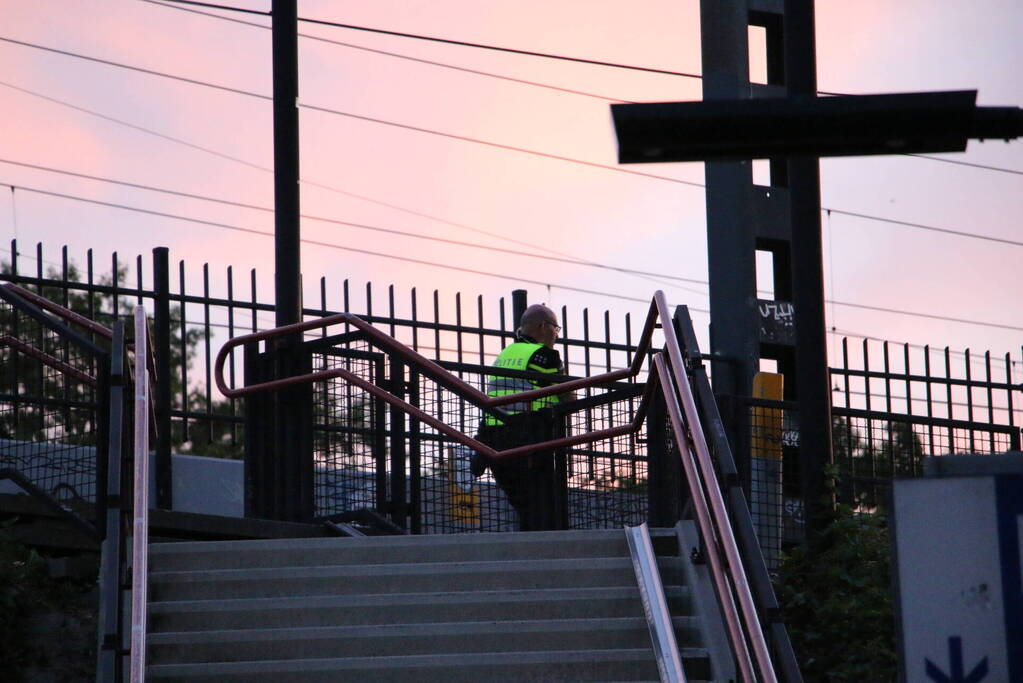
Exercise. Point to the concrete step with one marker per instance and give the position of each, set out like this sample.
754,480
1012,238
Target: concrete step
393,578
400,549
589,665
408,608
409,639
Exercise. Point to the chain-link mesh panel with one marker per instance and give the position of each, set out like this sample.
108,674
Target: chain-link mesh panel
767,479
453,493
348,459
870,452
607,480
48,409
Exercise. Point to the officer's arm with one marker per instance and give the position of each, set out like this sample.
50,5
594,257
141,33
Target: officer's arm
549,361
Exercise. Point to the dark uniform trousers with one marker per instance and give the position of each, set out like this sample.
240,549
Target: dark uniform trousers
534,484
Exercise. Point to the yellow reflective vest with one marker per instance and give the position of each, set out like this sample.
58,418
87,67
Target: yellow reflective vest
519,356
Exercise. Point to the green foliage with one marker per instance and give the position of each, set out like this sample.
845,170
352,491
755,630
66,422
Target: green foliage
837,602
206,437
20,571
866,465
47,626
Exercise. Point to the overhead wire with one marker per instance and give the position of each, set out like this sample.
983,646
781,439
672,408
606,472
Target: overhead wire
138,69
463,43
304,181
396,55
363,226
329,245
853,214
166,3
227,226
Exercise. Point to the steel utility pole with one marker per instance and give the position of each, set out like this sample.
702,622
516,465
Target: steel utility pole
784,121
288,267
278,468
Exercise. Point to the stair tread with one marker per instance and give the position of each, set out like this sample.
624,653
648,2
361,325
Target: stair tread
507,566
434,540
411,629
443,597
440,660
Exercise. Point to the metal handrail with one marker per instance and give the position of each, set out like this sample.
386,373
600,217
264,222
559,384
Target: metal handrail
655,605
726,563
47,359
424,365
444,378
140,516
716,515
60,311
77,319
704,522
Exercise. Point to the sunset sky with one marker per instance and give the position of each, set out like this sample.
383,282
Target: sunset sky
390,177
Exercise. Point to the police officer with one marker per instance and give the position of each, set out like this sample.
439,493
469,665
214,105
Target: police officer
530,482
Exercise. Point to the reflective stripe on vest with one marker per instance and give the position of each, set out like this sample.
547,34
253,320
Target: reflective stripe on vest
516,356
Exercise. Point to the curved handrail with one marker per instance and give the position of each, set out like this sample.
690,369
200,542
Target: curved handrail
449,381
424,364
669,373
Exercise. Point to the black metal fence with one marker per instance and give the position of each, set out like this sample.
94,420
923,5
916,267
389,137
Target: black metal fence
892,404
367,455
191,322
53,411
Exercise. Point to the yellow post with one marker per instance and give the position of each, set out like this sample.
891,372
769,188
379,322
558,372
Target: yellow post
767,423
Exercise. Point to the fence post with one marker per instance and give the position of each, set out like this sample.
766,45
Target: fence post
664,484
398,506
162,394
519,304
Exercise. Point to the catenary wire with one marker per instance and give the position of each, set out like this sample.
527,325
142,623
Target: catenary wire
363,226
396,55
268,169
261,96
138,69
385,122
229,8
226,226
484,46
863,216
309,182
461,43
329,245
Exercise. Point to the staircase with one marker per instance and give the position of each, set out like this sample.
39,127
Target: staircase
542,606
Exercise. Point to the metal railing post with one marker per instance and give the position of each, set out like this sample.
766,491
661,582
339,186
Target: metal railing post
108,662
162,347
399,461
140,524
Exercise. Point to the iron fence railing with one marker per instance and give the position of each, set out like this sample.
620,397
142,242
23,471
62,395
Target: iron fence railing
53,407
871,448
433,410
196,310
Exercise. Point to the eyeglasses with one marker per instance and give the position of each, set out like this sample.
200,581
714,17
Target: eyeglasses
557,328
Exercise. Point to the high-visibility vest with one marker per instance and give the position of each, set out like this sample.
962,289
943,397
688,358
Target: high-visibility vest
516,356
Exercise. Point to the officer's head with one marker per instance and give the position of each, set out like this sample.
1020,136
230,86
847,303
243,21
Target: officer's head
540,323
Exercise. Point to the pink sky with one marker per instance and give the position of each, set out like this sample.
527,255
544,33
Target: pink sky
593,214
